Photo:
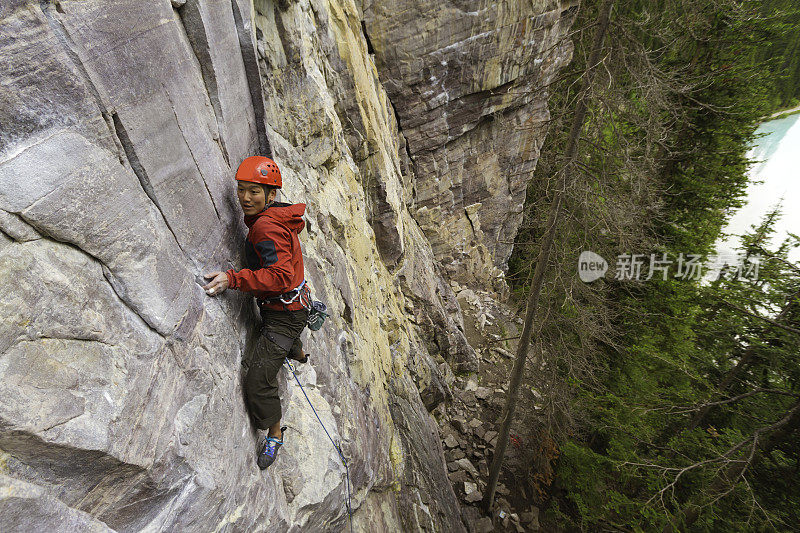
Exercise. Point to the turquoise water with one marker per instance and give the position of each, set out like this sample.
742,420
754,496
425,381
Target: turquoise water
775,179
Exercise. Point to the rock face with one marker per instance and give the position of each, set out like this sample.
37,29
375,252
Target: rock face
121,126
469,80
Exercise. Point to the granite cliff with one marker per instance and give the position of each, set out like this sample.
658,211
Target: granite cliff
410,130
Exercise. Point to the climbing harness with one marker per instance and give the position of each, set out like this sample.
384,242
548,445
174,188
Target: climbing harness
335,445
297,292
317,310
286,298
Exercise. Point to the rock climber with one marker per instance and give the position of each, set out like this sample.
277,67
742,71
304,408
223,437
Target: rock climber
275,276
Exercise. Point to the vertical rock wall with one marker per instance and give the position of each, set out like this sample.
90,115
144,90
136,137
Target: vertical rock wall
469,81
121,125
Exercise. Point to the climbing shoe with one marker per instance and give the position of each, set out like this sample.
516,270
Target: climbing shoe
268,451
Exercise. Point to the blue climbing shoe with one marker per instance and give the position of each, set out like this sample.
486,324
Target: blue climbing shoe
268,451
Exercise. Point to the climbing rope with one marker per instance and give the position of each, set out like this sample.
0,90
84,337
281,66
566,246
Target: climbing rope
338,449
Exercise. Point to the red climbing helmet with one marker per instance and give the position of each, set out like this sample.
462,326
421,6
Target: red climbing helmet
260,169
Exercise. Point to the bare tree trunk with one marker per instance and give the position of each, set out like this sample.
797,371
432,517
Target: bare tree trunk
544,255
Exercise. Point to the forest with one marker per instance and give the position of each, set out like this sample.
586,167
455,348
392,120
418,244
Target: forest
671,399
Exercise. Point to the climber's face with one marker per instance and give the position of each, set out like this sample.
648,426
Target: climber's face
252,197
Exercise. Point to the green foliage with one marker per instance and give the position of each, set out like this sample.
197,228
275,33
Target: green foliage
668,396
782,50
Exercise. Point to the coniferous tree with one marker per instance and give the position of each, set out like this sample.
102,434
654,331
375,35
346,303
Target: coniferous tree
643,380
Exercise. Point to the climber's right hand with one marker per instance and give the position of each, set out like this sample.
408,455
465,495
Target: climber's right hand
218,284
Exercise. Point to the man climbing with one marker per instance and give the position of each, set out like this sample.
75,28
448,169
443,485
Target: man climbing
275,276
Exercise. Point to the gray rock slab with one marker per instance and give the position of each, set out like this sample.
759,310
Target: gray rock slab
26,507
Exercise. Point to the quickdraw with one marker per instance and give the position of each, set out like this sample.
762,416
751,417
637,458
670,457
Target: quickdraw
316,310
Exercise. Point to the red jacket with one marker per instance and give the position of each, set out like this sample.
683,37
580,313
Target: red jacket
272,254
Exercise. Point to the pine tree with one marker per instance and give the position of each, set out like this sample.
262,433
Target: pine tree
640,380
